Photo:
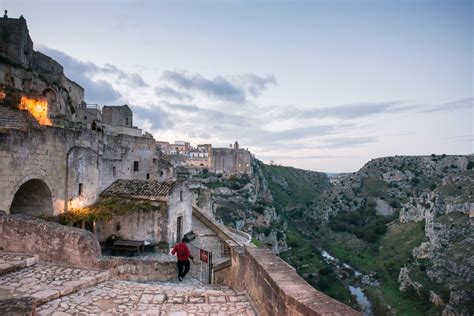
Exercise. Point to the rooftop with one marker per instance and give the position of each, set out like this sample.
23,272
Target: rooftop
139,188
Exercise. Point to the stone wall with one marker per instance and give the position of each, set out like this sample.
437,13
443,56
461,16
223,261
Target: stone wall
63,158
179,203
50,241
15,41
230,160
275,288
150,226
272,284
117,115
141,269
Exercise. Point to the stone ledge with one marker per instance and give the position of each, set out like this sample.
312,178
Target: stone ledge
11,262
50,241
276,288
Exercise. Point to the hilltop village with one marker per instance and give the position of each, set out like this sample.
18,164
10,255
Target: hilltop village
80,182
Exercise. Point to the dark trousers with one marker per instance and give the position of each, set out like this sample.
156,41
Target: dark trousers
183,268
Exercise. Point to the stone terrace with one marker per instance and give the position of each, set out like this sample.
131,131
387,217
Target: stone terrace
66,290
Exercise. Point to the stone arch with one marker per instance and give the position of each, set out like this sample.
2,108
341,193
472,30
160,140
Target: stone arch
50,94
32,197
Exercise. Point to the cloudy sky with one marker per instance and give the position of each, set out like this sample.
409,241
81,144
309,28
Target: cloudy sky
321,85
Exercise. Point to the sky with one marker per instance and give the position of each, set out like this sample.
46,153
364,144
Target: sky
320,85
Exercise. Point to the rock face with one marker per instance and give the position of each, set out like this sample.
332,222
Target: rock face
436,190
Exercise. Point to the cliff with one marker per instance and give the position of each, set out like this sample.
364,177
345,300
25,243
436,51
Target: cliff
402,222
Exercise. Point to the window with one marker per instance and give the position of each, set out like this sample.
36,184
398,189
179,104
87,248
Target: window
126,121
148,176
85,117
113,171
79,191
154,160
181,196
135,166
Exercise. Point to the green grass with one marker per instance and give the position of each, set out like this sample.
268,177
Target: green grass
303,256
374,187
385,257
303,185
257,243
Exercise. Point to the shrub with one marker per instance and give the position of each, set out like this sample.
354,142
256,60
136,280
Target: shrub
394,204
325,271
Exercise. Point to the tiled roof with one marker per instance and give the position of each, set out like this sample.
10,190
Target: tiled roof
15,119
139,188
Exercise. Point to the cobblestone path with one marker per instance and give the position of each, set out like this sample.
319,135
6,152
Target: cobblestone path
71,291
46,281
121,297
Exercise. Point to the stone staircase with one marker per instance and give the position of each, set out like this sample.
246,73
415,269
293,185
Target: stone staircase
22,276
65,290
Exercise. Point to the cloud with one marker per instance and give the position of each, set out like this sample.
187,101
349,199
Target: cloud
155,117
350,111
91,77
345,142
308,157
307,132
168,92
466,103
235,89
255,85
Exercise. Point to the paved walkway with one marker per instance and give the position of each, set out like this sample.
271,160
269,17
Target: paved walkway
122,297
46,281
67,291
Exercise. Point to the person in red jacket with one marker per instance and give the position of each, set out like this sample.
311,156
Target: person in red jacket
182,252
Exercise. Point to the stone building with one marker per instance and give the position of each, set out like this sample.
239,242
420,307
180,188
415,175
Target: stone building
16,43
169,224
231,160
118,119
54,152
117,115
34,79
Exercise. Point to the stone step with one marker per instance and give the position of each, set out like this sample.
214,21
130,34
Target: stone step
11,262
44,282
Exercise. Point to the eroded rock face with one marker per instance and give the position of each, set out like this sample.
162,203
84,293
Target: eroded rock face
405,281
449,239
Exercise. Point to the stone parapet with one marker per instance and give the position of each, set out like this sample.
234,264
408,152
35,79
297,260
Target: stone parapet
140,269
275,288
50,241
273,285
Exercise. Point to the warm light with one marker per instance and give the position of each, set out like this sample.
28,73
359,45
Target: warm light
3,95
38,107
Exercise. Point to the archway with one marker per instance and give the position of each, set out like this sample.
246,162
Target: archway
33,198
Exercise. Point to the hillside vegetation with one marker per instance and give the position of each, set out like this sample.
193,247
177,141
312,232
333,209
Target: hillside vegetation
402,222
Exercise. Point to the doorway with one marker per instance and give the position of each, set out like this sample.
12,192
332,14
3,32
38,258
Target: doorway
179,228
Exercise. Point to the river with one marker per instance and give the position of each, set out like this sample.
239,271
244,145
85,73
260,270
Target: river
362,299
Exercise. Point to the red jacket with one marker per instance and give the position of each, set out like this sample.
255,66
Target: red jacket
182,251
